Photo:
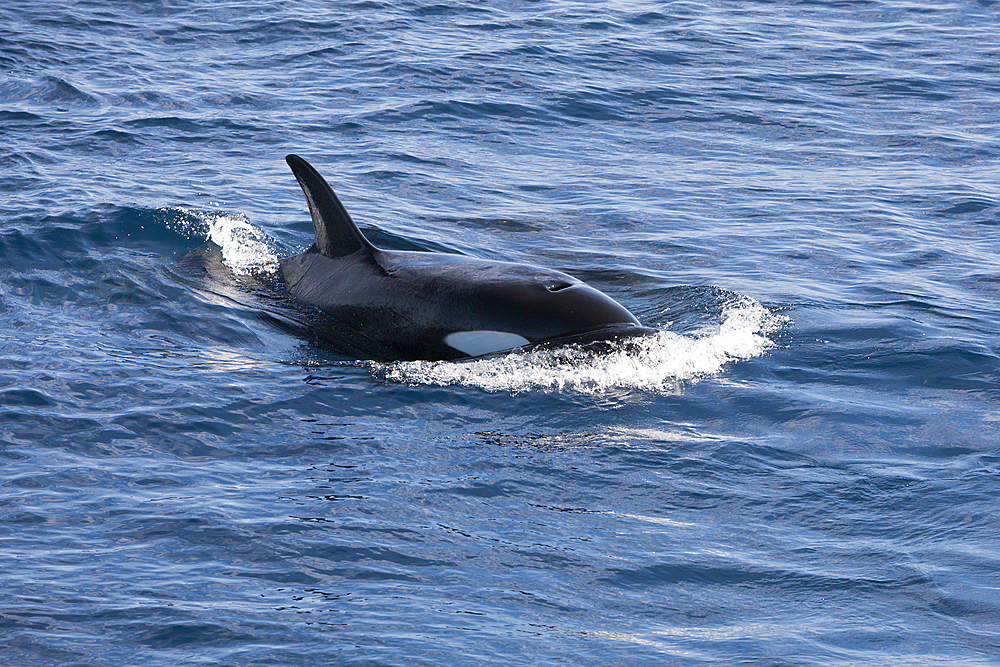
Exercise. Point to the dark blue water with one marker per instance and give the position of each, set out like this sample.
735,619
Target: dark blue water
803,469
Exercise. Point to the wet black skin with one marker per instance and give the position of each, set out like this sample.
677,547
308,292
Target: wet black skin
401,305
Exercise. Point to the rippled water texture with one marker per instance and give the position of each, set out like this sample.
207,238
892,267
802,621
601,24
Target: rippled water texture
802,468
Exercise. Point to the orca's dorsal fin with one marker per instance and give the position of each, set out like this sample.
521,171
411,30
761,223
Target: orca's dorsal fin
336,233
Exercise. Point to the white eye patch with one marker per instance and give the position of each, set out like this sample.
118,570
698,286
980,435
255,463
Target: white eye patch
476,343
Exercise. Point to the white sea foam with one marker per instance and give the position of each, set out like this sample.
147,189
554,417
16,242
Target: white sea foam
657,363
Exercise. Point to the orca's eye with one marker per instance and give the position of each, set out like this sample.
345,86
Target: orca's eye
555,285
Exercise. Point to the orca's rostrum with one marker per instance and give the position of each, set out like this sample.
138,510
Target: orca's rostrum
404,305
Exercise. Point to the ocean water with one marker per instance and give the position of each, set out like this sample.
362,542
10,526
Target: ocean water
803,468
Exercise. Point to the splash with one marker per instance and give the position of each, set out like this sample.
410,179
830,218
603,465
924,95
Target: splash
658,363
246,249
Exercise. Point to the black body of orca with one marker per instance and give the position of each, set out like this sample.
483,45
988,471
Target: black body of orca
405,305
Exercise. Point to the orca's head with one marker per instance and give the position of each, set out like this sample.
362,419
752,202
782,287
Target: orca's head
505,306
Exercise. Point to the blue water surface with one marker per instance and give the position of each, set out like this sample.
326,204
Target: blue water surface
803,470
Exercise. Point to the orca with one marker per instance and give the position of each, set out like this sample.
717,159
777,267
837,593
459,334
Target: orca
413,305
